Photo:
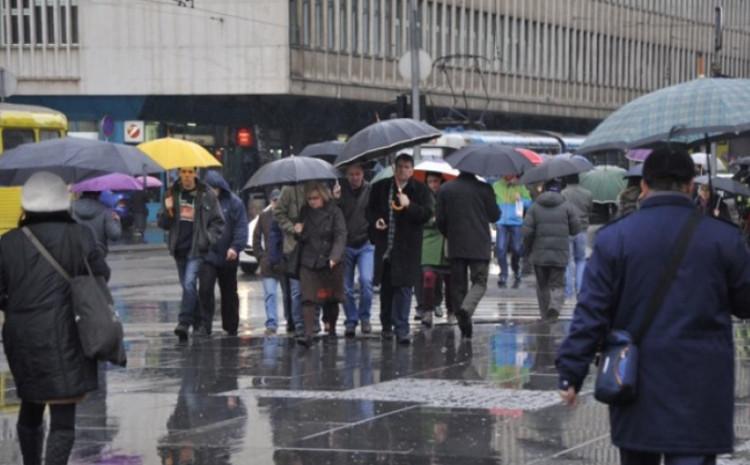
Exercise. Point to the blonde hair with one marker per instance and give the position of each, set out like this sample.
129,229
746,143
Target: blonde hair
320,188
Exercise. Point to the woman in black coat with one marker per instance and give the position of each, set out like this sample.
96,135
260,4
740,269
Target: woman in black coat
322,238
40,335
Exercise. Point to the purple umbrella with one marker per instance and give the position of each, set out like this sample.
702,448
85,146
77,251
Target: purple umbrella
638,154
115,182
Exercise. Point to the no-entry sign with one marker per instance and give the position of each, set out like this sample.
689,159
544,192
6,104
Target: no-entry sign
133,131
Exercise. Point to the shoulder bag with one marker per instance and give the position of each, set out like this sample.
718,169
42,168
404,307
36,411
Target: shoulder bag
617,378
99,328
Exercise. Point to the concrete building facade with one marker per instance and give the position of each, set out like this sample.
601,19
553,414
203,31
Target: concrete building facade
304,70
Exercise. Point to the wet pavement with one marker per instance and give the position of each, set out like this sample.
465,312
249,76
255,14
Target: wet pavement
262,400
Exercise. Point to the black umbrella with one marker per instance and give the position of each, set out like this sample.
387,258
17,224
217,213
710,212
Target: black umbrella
557,167
725,184
384,137
489,160
292,170
74,160
744,161
328,151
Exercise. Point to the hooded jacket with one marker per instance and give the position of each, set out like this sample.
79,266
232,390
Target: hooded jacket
234,235
548,225
100,220
580,198
209,221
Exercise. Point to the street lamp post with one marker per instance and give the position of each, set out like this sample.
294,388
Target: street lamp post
414,61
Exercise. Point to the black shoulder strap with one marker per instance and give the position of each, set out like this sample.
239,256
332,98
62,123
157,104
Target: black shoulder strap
665,282
45,253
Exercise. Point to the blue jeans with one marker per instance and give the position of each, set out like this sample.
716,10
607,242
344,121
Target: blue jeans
509,240
362,259
296,291
270,288
187,269
576,264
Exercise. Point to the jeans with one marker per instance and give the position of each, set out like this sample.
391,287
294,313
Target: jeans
509,240
230,300
270,288
297,318
395,304
362,259
577,263
188,269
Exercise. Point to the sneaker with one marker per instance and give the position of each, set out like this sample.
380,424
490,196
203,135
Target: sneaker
386,335
289,327
418,315
200,331
404,341
181,331
270,331
366,327
439,311
350,333
464,324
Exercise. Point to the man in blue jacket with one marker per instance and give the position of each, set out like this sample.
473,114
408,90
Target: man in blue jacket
684,407
222,260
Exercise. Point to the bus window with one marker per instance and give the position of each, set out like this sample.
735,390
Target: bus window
15,137
47,134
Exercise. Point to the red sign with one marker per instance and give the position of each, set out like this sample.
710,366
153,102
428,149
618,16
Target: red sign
245,137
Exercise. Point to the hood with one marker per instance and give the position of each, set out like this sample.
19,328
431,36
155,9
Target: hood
87,209
550,199
214,179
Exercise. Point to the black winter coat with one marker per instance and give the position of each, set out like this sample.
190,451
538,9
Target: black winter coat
465,209
40,335
406,255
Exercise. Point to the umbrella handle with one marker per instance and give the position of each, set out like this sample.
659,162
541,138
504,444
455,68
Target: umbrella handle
395,205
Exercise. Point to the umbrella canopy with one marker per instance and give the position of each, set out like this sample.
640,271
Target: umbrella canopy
292,170
635,171
531,155
558,167
73,159
725,184
177,153
420,171
384,137
744,161
489,160
115,182
328,151
685,112
699,158
638,155
605,183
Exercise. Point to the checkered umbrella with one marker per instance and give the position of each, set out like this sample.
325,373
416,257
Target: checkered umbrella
685,113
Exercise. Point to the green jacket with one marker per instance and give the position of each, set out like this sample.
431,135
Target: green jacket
433,245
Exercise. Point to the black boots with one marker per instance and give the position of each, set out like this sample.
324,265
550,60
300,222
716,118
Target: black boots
31,440
464,323
59,445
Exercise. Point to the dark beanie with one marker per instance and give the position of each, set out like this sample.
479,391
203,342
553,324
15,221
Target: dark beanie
667,163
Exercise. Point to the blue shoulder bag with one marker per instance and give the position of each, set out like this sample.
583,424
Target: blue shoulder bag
617,378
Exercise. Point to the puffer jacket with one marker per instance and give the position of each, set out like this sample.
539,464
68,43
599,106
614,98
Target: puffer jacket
548,224
209,221
103,224
40,335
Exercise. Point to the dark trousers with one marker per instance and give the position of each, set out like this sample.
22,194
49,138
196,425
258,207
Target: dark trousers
550,288
462,297
632,457
61,435
286,299
230,300
431,288
395,304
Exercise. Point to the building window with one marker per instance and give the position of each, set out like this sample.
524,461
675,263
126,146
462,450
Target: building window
39,22
343,19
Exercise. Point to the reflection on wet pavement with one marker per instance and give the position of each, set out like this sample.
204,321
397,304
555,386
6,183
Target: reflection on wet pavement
238,400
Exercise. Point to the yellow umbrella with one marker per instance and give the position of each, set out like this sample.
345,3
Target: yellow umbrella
173,153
